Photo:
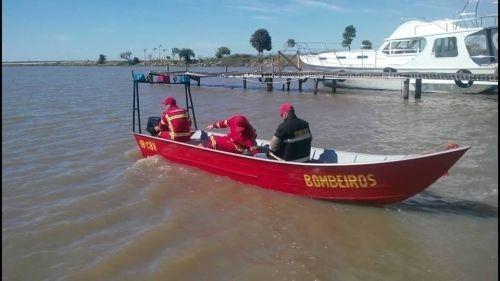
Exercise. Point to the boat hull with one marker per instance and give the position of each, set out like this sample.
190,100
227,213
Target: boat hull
428,86
384,182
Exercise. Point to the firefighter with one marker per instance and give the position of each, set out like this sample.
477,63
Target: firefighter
292,139
175,123
241,137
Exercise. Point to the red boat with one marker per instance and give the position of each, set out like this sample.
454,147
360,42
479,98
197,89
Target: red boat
331,175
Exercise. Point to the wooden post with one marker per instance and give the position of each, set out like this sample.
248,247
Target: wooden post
300,85
334,86
260,68
269,84
226,68
279,65
133,107
287,84
283,87
168,68
198,81
418,88
406,88
244,83
272,62
316,86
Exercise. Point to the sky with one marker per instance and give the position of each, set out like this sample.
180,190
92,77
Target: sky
34,30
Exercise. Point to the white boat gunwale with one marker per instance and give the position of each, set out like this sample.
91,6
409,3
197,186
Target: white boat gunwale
310,164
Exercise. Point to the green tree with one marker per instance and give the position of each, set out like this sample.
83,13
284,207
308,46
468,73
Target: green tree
221,51
366,44
261,40
135,60
175,52
101,59
348,35
126,56
186,54
290,43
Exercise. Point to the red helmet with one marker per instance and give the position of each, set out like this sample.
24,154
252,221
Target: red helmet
169,101
240,123
285,108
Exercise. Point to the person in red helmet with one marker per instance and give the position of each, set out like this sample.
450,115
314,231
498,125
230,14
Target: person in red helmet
241,137
292,139
175,123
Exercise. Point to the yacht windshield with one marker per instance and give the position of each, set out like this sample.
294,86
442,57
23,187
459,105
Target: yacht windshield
405,46
483,46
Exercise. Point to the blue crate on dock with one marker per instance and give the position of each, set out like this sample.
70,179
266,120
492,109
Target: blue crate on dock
138,77
184,79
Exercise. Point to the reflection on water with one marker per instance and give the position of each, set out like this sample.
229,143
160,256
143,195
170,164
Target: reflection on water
80,203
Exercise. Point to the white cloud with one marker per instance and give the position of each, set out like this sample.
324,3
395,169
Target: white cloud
265,7
254,8
292,6
321,4
262,18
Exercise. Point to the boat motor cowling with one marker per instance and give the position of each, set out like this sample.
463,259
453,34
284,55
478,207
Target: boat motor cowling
152,123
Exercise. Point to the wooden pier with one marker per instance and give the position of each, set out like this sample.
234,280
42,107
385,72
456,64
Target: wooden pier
301,77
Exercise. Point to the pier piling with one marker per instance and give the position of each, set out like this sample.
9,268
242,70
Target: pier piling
316,86
287,84
334,86
300,83
418,88
406,88
244,83
269,84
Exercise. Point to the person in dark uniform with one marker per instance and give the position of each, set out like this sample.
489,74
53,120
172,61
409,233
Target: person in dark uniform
292,139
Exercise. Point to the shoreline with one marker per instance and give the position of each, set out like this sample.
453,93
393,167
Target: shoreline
212,62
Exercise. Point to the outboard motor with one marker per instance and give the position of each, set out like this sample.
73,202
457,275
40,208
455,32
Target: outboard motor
152,123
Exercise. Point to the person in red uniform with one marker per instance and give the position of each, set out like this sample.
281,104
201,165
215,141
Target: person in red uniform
175,123
241,137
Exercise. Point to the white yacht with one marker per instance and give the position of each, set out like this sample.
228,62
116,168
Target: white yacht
468,45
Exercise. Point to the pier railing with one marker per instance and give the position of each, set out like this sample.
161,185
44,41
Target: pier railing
349,75
462,79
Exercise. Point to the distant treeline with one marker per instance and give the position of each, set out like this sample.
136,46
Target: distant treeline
229,60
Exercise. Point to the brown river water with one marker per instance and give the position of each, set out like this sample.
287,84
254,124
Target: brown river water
80,203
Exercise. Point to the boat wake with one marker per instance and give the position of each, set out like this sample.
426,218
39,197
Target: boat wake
133,154
433,203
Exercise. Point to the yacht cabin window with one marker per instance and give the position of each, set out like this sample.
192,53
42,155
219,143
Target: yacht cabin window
445,47
404,46
494,42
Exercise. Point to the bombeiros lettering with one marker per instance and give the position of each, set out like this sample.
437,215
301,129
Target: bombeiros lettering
147,145
340,181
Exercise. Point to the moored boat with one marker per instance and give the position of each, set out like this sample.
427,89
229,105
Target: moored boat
465,44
